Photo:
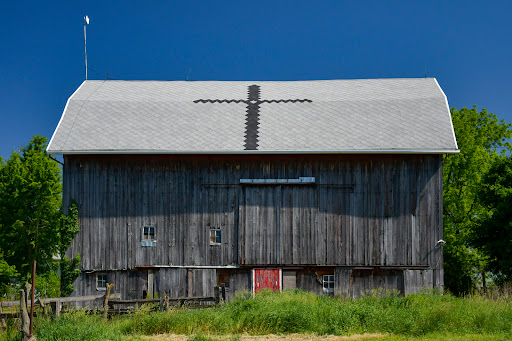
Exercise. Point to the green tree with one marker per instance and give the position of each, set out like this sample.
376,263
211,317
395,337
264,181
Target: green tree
30,201
32,225
7,273
68,267
48,284
493,234
481,138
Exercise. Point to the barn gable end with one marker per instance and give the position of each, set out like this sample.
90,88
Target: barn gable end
329,186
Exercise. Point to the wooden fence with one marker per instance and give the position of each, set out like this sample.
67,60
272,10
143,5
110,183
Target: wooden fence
116,307
54,303
112,303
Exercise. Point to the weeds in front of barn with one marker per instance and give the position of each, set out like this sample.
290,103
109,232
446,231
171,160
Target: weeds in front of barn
298,312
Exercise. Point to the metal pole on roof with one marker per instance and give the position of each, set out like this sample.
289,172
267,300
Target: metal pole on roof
86,22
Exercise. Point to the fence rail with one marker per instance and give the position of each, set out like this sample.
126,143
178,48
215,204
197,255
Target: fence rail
119,307
112,304
177,299
6,304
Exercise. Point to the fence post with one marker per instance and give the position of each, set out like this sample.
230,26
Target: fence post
3,326
190,288
25,321
223,292
27,288
44,306
217,295
161,303
55,308
166,301
105,300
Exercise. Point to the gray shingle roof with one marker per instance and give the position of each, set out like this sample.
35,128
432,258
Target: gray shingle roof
347,116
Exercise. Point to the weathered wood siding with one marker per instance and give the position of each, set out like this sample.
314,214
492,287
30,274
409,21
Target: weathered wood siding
311,280
132,284
361,282
417,281
380,210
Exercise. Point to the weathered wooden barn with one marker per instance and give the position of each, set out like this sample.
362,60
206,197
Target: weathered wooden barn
329,186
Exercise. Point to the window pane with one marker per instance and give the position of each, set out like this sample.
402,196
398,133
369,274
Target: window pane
101,281
148,233
215,236
328,283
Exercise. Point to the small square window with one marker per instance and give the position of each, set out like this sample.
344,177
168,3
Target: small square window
101,282
148,233
215,237
328,284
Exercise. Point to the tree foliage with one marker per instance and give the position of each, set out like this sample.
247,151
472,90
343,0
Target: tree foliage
48,284
482,139
69,267
493,234
30,188
7,273
32,225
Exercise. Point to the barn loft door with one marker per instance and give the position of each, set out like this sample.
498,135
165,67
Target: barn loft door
278,224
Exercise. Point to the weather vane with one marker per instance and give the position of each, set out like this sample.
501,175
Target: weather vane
86,22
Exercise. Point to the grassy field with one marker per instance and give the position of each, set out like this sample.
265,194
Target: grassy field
300,316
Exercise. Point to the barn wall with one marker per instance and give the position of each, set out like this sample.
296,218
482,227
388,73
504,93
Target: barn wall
174,282
237,281
134,284
417,281
361,282
363,210
130,284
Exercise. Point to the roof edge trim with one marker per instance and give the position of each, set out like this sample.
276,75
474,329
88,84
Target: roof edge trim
449,113
368,151
62,116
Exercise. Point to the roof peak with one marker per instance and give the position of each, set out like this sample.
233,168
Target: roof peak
261,81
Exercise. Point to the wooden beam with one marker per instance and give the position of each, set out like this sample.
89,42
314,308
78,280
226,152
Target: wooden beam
62,299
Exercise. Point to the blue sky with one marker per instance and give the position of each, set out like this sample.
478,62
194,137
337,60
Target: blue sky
466,45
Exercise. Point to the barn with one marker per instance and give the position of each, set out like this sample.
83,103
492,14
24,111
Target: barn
331,186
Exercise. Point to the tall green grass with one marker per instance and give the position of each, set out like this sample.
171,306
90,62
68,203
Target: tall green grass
78,325
299,312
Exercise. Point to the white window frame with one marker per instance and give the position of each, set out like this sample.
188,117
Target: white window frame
327,281
104,281
148,235
219,236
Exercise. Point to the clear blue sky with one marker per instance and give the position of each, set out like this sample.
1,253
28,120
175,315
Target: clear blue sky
466,45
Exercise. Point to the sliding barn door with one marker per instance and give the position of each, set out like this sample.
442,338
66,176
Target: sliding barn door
278,225
259,225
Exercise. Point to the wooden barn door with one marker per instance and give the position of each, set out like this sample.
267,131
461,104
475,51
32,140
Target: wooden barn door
266,279
278,225
259,225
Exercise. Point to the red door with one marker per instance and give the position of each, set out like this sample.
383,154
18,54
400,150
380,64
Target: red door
266,279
